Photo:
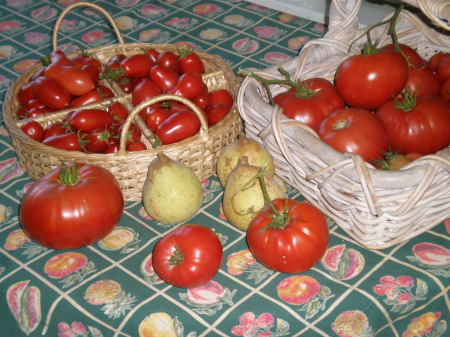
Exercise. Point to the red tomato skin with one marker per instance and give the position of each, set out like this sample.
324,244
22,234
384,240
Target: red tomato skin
294,248
434,60
444,90
220,96
169,60
215,113
412,56
179,126
104,92
59,57
66,141
310,110
137,146
422,81
69,217
156,117
76,81
144,90
34,130
96,141
152,54
355,130
54,129
191,63
89,98
202,256
164,78
25,93
50,93
87,120
443,68
425,128
36,111
367,81
189,85
137,65
118,112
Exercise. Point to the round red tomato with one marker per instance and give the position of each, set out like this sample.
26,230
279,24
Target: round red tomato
188,256
367,81
422,81
355,130
137,65
422,126
310,102
34,130
72,207
189,85
168,59
191,62
411,55
295,243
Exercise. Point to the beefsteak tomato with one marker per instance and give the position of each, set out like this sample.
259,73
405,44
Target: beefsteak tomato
72,206
188,256
289,236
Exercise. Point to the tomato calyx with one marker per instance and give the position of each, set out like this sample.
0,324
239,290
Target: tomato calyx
340,124
407,102
68,175
176,258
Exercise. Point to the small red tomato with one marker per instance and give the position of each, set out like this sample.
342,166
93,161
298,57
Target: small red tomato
215,113
202,101
58,57
104,92
144,90
81,60
190,62
164,78
179,126
87,120
422,81
34,130
434,60
220,96
189,85
155,117
76,81
187,257
137,65
55,129
25,93
36,111
152,54
97,140
443,68
66,141
118,112
89,98
51,93
133,134
137,146
169,60
445,89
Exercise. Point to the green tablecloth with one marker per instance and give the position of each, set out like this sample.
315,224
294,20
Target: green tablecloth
109,288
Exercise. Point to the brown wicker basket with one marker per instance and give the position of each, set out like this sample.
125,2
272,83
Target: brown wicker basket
199,152
376,208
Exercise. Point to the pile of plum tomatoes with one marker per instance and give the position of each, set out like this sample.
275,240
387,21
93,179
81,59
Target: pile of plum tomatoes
75,82
385,101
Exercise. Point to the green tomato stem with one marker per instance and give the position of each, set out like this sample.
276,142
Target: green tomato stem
68,175
176,258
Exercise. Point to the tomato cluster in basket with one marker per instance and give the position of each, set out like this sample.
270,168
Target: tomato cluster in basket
87,89
388,104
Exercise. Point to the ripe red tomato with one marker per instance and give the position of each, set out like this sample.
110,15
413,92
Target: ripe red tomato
178,126
434,60
202,101
89,98
152,54
55,129
357,131
83,59
445,90
34,130
76,81
25,93
168,59
190,62
412,56
137,65
36,111
118,113
367,81
314,99
187,257
72,207
215,113
443,68
144,90
97,140
51,93
87,120
295,244
164,78
58,57
65,141
422,126
220,96
104,92
137,146
422,81
189,85
155,117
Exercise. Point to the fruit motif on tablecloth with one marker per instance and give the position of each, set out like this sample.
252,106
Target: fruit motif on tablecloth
306,292
343,263
208,298
69,267
433,257
148,271
108,293
250,325
24,301
352,323
243,261
10,169
160,324
16,239
121,238
427,324
398,292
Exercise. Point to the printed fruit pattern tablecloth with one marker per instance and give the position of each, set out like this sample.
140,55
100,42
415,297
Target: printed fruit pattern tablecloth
110,289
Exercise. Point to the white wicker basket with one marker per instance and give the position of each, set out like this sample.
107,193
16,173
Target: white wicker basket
376,208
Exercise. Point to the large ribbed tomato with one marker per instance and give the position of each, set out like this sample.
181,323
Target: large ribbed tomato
72,206
291,239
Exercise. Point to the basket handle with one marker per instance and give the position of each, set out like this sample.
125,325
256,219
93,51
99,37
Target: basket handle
434,10
161,98
88,4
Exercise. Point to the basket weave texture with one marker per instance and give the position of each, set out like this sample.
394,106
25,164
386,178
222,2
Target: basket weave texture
199,152
376,208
